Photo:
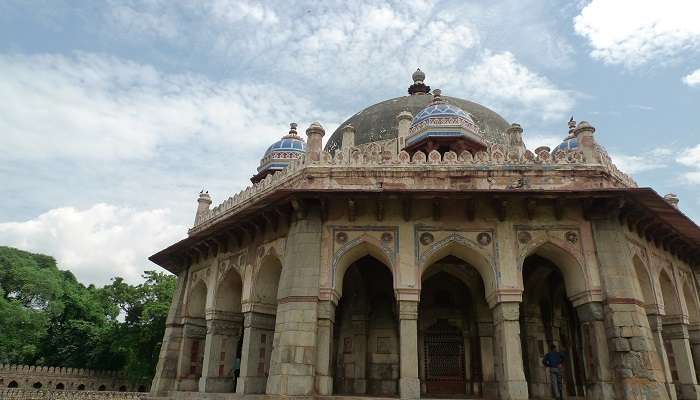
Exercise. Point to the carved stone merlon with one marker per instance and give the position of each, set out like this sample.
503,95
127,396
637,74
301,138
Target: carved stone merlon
515,138
203,204
584,132
404,120
348,137
314,145
672,199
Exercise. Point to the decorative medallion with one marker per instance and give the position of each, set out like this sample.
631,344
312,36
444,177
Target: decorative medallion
484,239
571,236
341,237
524,237
426,238
387,237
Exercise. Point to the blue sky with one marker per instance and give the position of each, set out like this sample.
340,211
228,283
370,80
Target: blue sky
115,114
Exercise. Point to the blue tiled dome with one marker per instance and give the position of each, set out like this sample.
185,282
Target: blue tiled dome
570,143
287,143
278,156
440,110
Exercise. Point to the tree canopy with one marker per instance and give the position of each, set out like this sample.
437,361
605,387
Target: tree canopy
49,318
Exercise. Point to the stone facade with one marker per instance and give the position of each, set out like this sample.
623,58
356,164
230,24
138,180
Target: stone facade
372,270
24,377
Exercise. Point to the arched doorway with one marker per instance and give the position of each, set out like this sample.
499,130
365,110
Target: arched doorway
224,332
672,308
548,318
192,347
366,339
256,351
453,320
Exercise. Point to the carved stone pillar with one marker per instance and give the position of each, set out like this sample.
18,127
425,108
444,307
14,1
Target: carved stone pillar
166,371
677,334
694,334
223,332
189,367
656,325
489,386
409,383
258,331
324,348
359,353
508,354
599,377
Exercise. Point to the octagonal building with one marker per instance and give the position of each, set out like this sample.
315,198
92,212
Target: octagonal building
426,252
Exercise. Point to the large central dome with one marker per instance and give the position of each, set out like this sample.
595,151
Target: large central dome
378,122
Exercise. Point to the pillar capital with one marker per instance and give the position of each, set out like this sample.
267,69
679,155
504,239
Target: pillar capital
408,310
253,319
326,310
676,331
506,311
591,311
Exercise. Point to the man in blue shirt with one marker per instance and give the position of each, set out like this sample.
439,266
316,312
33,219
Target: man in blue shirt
554,361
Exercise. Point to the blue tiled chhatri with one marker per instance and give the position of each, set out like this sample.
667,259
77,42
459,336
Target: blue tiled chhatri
440,110
568,144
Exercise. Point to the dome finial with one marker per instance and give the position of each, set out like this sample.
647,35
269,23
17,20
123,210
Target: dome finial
437,96
419,86
293,128
572,126
418,76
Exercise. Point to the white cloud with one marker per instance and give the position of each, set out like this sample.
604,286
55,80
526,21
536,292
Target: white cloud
97,243
693,78
102,108
651,160
692,177
690,157
532,142
632,32
500,80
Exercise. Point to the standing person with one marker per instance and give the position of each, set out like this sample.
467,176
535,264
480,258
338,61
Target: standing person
554,361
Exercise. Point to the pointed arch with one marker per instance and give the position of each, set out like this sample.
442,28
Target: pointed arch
691,302
196,303
352,251
575,279
466,250
266,281
669,294
229,291
646,287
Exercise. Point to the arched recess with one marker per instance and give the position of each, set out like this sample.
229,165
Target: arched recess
669,294
366,333
572,270
267,281
37,385
691,302
81,386
353,251
644,281
228,292
455,343
60,386
197,301
548,317
458,246
13,385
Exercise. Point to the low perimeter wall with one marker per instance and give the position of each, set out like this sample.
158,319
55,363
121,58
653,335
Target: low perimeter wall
58,378
33,394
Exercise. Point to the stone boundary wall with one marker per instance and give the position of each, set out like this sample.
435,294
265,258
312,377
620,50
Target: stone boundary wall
26,394
68,379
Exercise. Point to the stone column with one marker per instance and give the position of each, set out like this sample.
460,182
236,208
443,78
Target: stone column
488,374
404,123
166,370
636,371
324,348
599,378
409,383
677,333
359,352
258,330
656,325
694,334
194,331
509,358
223,332
314,144
293,357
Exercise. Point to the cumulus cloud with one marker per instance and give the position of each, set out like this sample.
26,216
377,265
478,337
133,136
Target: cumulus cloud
633,33
690,157
370,48
693,78
100,107
648,161
96,243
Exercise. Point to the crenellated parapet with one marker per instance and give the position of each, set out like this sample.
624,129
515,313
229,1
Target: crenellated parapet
64,378
384,156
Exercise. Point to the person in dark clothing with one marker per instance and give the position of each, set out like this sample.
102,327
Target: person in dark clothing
554,361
